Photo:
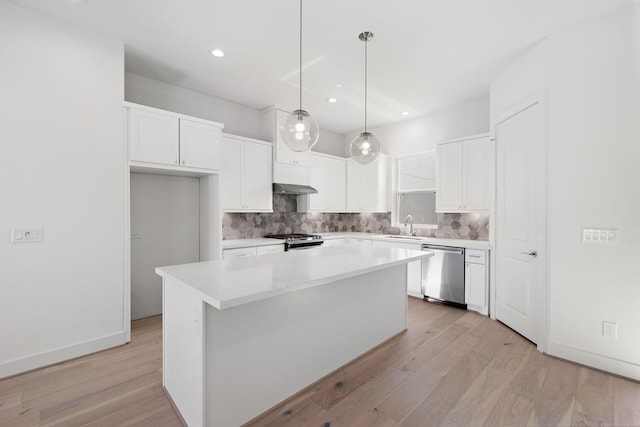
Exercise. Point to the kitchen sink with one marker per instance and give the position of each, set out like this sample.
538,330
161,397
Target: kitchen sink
404,237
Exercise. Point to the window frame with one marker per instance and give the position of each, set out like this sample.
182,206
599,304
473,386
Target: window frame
399,221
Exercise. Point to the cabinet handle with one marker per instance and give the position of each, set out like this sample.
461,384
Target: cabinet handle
176,162
474,256
183,162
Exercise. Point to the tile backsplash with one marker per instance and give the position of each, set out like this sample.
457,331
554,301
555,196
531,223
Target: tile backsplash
285,219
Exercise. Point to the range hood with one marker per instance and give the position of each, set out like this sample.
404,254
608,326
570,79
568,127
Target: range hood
293,189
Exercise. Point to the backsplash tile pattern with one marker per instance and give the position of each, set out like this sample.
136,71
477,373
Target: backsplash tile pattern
285,219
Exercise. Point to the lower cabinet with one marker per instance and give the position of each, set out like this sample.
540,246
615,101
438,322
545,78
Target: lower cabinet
252,251
475,280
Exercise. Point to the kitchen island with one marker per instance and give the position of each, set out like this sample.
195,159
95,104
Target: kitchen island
242,335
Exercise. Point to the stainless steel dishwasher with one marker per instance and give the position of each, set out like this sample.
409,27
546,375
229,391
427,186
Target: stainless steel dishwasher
443,274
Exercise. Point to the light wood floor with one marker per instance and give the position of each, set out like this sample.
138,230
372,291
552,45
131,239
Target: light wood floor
451,368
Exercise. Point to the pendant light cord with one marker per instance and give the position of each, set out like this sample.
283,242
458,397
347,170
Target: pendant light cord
366,41
300,54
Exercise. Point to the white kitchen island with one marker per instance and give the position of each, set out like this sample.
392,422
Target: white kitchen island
242,335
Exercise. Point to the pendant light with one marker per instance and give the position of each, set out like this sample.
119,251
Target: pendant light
299,130
365,147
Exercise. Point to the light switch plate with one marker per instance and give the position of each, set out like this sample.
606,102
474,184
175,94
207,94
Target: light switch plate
606,236
26,235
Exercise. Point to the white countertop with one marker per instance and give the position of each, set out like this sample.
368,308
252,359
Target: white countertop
238,281
461,243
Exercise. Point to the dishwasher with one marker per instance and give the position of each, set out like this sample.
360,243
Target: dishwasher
443,274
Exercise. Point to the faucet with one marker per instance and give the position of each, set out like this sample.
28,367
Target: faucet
409,219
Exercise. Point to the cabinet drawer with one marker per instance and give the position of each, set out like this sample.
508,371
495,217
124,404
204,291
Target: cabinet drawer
271,249
238,252
475,256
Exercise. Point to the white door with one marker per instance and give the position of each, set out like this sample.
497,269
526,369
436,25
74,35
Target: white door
520,226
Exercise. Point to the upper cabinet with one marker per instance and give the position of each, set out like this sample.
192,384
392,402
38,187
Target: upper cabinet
162,140
245,175
417,172
367,186
464,175
289,167
328,175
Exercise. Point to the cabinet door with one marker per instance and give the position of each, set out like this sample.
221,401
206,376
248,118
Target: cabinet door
238,253
449,184
153,137
283,153
329,177
271,249
362,187
199,145
476,155
231,173
256,172
474,285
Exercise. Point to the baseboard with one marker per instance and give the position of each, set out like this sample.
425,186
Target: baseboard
29,363
603,363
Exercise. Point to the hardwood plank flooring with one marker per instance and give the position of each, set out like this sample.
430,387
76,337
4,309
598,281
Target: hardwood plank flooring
451,368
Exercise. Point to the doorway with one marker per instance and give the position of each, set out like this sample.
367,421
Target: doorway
521,219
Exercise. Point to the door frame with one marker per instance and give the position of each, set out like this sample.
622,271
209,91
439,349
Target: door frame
542,296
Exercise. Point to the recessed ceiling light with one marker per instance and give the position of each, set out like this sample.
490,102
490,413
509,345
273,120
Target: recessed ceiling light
217,53
404,113
332,100
338,85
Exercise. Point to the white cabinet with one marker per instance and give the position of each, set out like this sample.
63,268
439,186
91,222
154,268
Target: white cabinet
367,186
463,175
238,252
289,167
153,137
475,280
199,145
271,249
252,251
168,141
245,175
417,172
328,175
414,268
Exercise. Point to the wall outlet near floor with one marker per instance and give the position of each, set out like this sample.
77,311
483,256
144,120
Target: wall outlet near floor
26,235
607,236
609,329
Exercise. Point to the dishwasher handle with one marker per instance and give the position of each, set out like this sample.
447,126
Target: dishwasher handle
443,249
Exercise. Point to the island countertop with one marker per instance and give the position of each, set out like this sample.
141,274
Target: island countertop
233,282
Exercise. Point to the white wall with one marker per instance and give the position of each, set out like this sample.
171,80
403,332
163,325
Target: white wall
591,74
422,133
62,168
165,218
237,119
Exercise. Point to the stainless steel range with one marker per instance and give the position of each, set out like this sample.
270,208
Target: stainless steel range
297,241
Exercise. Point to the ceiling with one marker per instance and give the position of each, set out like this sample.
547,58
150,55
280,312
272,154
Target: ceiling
426,54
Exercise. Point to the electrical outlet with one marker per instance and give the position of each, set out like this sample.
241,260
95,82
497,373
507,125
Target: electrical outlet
609,329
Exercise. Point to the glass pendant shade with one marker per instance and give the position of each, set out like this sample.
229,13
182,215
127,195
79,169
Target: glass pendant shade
299,130
364,148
